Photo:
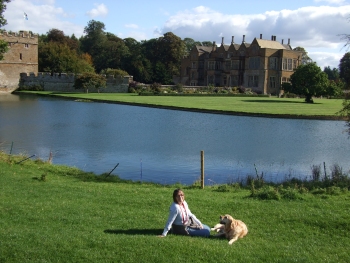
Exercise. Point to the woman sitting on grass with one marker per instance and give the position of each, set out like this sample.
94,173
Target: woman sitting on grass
181,219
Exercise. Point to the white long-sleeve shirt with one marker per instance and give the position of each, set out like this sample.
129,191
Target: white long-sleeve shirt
179,215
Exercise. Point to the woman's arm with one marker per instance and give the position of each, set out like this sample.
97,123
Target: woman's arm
172,216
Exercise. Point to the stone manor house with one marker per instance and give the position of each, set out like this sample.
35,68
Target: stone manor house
262,65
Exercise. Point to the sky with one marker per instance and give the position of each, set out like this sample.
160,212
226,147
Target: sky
316,25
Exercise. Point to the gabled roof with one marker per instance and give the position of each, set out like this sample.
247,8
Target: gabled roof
204,49
270,44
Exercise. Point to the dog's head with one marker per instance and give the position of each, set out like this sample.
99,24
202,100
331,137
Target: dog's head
226,219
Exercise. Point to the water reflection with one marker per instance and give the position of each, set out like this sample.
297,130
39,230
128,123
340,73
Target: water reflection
164,145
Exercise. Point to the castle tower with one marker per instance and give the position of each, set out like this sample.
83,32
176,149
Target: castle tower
22,56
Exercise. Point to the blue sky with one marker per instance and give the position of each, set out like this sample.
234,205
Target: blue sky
315,25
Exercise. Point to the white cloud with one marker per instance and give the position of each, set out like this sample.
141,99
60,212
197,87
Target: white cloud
309,27
100,10
41,18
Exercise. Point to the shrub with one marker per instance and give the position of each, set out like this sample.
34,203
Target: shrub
316,172
266,193
156,87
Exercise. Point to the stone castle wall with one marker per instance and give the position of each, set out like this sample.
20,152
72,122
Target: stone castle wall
65,82
22,56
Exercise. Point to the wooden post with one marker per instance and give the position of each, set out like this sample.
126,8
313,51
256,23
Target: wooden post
202,169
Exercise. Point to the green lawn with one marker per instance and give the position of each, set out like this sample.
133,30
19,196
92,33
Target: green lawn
275,107
54,213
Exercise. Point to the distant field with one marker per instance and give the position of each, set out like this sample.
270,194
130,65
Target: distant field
274,107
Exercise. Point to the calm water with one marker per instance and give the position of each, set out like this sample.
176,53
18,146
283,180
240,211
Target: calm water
164,145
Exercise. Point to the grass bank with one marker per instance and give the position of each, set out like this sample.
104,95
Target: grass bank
251,106
51,213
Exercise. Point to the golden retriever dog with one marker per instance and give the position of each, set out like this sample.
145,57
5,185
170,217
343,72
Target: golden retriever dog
230,228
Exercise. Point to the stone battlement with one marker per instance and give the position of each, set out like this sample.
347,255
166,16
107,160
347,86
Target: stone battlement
23,34
64,82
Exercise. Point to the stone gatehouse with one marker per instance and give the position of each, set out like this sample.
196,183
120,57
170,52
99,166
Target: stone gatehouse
22,56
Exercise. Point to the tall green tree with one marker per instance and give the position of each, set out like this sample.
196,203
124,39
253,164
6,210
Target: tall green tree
135,62
308,80
344,69
305,59
95,43
333,74
2,10
207,43
3,44
190,43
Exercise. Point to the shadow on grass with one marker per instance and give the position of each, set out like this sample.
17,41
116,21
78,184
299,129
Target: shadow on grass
279,101
150,232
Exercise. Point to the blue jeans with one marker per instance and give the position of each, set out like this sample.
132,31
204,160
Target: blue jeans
196,232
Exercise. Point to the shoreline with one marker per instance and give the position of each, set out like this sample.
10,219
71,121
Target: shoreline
198,110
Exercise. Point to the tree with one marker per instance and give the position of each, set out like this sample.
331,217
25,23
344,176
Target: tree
88,80
207,43
57,58
190,43
2,9
345,111
333,74
305,59
114,72
135,61
3,48
344,69
3,44
308,80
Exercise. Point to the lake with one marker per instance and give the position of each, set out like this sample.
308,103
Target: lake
163,146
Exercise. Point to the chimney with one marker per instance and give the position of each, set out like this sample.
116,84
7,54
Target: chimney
282,41
233,40
272,38
243,39
288,41
214,46
260,36
222,41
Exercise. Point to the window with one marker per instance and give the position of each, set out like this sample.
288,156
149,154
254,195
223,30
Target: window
211,65
287,64
211,79
235,64
26,45
228,65
192,75
253,81
20,56
284,64
254,63
272,82
201,64
273,63
234,81
193,64
294,63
